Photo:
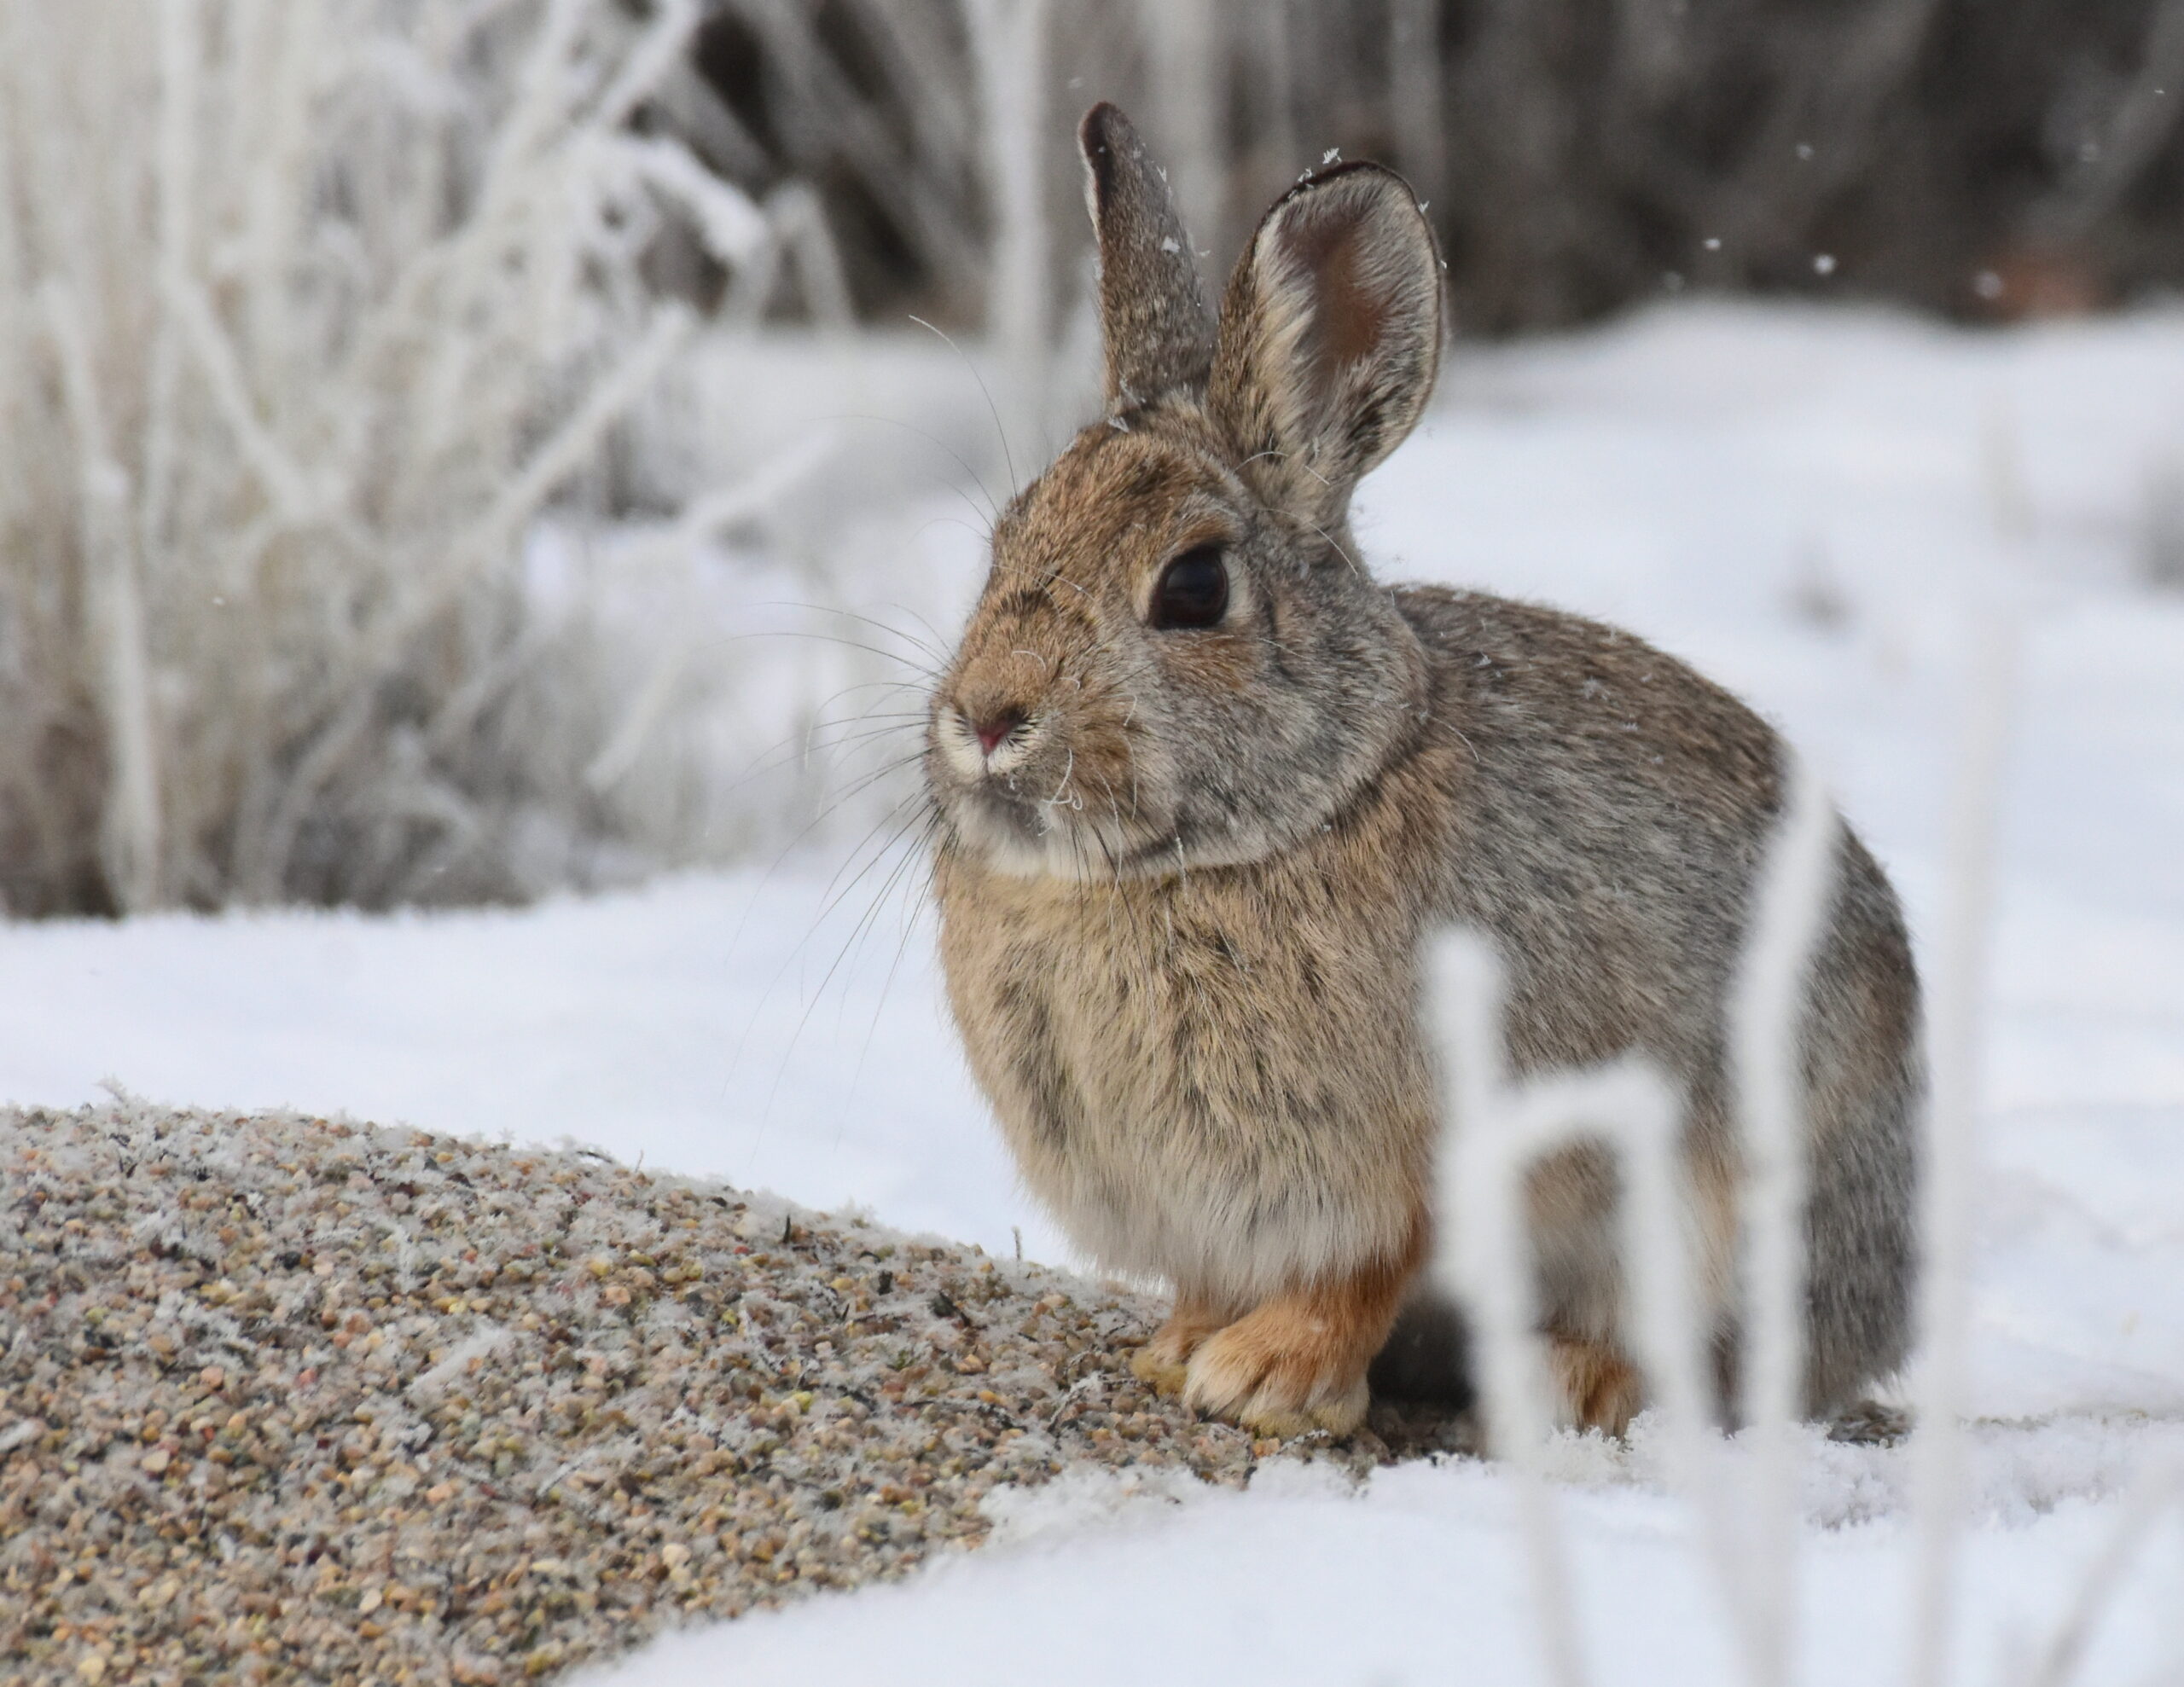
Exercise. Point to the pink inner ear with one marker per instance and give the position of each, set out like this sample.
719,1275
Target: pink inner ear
1350,316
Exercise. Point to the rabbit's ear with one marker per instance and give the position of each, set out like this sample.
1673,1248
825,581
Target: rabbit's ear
1152,314
1330,337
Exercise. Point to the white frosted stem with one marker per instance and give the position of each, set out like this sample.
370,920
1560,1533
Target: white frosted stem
727,223
799,223
1009,45
1497,1132
1486,1259
563,452
1790,907
362,286
1183,62
279,177
1951,1159
130,830
569,447
283,481
658,51
174,173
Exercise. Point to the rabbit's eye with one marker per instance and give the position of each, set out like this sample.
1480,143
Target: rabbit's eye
1192,590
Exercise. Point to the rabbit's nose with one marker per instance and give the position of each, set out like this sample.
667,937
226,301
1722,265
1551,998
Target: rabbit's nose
991,728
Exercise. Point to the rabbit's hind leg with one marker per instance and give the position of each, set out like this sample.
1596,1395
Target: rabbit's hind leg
1297,1362
1165,1360
1600,1389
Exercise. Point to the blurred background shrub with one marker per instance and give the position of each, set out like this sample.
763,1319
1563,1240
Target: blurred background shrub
398,393
1975,157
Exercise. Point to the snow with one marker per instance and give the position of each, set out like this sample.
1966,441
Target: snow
1411,1582
1802,503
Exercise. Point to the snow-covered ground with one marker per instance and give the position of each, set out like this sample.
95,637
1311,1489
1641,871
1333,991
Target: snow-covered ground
1802,504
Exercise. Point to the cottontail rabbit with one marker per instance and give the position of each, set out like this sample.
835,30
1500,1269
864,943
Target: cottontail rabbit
1204,784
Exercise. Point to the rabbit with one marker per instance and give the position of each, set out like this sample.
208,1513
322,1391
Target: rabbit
1202,785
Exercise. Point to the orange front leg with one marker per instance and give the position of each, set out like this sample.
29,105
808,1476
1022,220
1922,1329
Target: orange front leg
1164,1361
1297,1363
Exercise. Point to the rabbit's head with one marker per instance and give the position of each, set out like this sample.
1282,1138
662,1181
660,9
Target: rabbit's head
1178,659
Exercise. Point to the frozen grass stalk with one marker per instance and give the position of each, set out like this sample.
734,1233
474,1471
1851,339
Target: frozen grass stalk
1009,47
1495,1133
1789,915
1498,1133
1948,1177
1486,1261
130,830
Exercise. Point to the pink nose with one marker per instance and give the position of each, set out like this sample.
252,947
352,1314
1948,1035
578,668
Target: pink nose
996,726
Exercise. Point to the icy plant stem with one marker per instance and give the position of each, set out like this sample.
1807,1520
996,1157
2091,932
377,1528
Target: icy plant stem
1183,62
1789,914
650,60
174,173
131,827
215,354
1489,1266
1938,1449
1495,1133
1010,45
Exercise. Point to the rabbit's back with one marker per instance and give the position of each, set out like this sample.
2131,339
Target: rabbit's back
1610,812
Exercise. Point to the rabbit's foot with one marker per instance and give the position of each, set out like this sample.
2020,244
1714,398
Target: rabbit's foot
1280,1372
1297,1363
1600,1389
1165,1361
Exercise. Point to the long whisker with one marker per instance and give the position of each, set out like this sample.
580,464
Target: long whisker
818,638
931,651
736,1058
992,409
785,749
940,445
819,991
910,922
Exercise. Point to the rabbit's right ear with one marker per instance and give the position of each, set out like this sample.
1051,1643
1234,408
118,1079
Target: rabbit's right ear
1330,337
1152,314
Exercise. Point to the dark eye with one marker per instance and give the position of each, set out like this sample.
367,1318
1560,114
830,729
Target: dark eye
1193,591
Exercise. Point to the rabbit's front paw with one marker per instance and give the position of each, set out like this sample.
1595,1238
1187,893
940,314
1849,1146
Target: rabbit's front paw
1165,1361
1281,1371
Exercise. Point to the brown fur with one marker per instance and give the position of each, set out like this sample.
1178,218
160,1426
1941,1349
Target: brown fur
1165,1360
1184,887
1599,1386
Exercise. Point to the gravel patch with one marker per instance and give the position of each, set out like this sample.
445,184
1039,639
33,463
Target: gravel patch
284,1397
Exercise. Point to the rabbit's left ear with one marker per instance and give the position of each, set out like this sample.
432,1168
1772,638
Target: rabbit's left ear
1153,316
1330,337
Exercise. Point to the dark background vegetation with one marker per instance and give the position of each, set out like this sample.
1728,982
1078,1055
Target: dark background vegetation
1980,159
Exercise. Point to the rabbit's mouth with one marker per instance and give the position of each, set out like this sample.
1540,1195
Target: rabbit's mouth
1042,814
1017,792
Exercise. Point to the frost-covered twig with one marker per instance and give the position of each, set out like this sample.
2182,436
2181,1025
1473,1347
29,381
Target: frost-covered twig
1789,906
1950,1169
1495,1133
130,829
1008,51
